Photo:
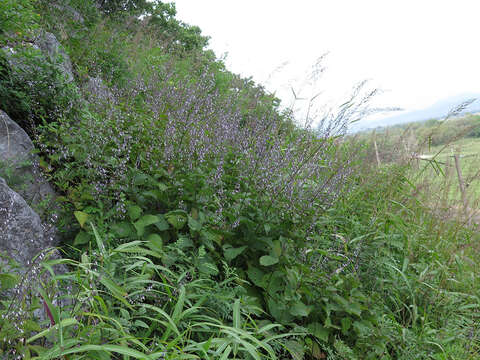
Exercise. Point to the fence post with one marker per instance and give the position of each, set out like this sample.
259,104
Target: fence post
461,183
376,149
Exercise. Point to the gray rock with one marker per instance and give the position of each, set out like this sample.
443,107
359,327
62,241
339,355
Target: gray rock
53,50
22,236
20,166
46,48
25,240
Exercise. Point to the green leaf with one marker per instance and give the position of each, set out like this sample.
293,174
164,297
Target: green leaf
277,248
161,186
134,212
231,253
278,310
267,260
31,325
155,242
8,281
140,179
346,324
208,268
193,224
64,323
81,217
300,309
236,314
123,229
317,330
115,289
362,327
256,276
154,194
140,323
82,238
295,349
123,350
353,308
143,222
209,237
177,218
100,244
267,228
162,224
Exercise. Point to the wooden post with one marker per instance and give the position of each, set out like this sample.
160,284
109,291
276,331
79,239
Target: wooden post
461,183
376,149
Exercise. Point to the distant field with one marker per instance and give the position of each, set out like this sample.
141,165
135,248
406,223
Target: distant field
469,157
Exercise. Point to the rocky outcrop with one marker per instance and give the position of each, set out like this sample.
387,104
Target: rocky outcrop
49,48
53,50
20,167
23,236
27,241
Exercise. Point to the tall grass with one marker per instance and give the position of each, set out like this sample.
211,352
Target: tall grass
201,222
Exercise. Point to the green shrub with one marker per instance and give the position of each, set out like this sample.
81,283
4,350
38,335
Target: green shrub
33,90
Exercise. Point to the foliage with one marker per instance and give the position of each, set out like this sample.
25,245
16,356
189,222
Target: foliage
28,83
201,222
17,19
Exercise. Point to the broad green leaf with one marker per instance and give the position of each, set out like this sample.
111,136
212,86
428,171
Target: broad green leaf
256,276
154,194
318,331
362,327
231,253
140,179
134,212
295,349
193,224
123,229
346,324
267,260
279,310
300,309
81,217
82,238
177,218
155,242
140,323
317,353
143,222
277,248
161,224
353,308
209,237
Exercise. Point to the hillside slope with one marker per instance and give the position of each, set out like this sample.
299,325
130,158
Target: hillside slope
198,221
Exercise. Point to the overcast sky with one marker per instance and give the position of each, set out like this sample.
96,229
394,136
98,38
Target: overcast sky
416,51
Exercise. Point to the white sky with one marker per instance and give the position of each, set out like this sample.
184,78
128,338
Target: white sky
417,51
